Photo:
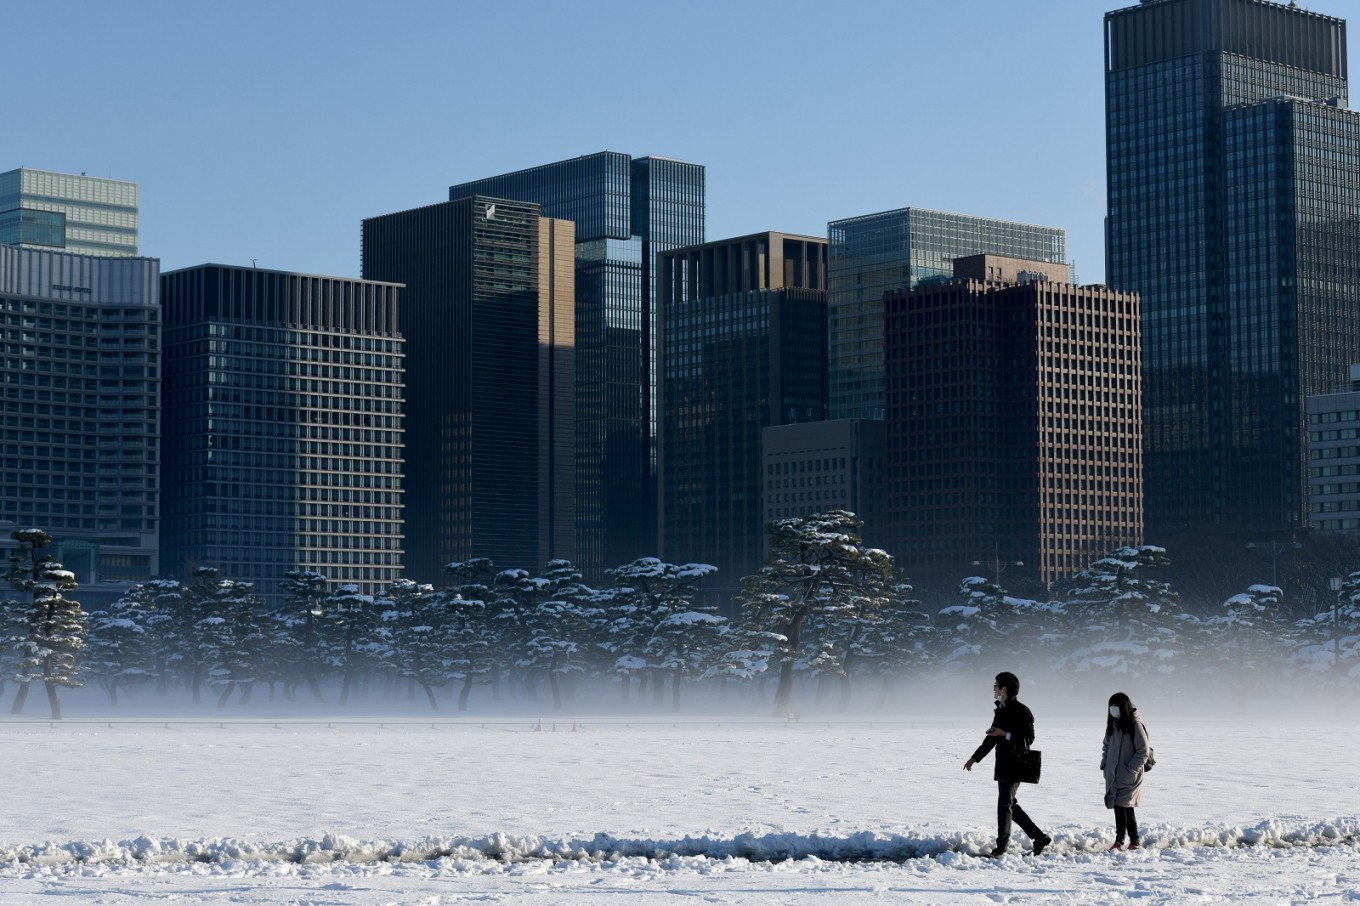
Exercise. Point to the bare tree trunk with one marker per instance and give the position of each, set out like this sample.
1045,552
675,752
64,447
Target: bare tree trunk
675,691
627,686
658,687
53,701
226,694
19,698
466,691
556,688
429,694
246,690
344,687
844,704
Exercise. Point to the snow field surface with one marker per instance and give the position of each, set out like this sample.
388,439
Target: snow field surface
606,810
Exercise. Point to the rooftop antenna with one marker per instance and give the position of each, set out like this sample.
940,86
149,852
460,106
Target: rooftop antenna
252,262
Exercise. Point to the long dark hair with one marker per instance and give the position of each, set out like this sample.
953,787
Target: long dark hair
1126,712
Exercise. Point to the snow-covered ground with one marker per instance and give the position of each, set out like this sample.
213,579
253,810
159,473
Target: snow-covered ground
351,809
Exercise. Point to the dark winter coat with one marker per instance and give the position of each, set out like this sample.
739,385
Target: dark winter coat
1122,759
1018,721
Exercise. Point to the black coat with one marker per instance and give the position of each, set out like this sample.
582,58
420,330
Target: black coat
1017,720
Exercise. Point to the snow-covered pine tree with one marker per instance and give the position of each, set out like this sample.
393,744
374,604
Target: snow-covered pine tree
893,640
297,631
416,627
817,567
350,621
233,639
561,625
120,649
1127,621
473,635
47,628
651,623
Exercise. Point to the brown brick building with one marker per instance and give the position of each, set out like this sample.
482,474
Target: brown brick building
1014,428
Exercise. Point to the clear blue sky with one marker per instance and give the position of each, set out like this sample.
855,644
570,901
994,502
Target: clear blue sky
268,130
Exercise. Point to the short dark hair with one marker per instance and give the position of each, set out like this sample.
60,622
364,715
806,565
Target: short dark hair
1010,682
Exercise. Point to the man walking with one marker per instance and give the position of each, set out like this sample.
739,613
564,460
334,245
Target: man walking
1012,731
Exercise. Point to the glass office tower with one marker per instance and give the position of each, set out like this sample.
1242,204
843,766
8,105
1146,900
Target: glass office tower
80,401
744,347
898,250
489,379
282,427
1234,210
627,211
82,214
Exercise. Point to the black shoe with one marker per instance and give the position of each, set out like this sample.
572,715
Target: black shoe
1041,843
997,852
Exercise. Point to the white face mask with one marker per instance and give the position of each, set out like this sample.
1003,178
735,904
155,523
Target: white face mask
1114,710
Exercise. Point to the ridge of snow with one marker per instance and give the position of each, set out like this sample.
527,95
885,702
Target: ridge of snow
866,846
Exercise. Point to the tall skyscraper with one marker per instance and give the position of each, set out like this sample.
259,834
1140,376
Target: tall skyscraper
898,250
490,442
1014,421
627,211
82,214
1234,210
743,342
80,403
282,426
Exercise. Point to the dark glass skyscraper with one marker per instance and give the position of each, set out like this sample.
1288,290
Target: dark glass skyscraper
626,211
282,426
489,373
1234,210
744,347
898,250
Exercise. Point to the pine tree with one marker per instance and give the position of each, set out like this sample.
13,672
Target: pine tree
415,628
816,579
1128,621
48,628
299,630
473,633
351,621
650,622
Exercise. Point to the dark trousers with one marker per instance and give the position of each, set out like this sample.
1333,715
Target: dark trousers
1006,809
1125,822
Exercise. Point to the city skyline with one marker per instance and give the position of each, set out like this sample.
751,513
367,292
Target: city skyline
273,188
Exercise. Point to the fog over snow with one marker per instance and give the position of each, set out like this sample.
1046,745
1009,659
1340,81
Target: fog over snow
1254,799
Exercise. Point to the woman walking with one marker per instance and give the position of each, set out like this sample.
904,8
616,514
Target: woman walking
1123,758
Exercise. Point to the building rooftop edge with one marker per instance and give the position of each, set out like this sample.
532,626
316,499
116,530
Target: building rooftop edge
273,270
910,208
125,182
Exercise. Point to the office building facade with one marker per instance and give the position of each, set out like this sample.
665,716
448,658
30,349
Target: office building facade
898,250
1334,458
61,211
626,212
282,427
1234,211
490,376
81,405
1014,426
813,467
743,340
